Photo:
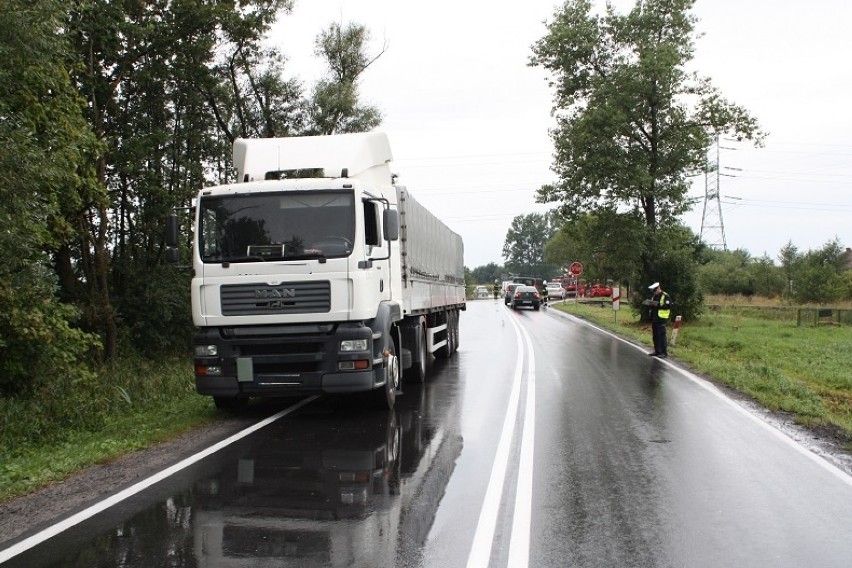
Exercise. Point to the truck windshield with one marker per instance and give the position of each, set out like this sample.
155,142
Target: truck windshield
275,226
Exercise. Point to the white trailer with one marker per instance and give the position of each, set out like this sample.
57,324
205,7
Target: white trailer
316,274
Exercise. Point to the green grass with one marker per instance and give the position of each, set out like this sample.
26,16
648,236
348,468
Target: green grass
64,428
805,371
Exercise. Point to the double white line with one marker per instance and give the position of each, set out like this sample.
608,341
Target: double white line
483,540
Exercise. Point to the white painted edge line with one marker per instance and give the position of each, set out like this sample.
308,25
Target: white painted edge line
85,514
519,546
710,387
483,539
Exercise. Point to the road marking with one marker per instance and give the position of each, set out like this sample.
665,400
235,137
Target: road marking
519,546
483,540
101,506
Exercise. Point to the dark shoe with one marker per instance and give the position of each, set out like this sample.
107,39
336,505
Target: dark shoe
662,355
653,354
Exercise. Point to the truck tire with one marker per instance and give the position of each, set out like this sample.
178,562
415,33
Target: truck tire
417,372
384,397
455,331
446,351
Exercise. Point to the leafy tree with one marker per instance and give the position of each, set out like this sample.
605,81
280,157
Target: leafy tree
523,248
727,273
334,107
47,147
632,124
736,272
815,276
767,278
487,273
607,243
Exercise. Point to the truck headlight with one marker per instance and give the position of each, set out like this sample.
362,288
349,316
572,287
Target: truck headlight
348,345
206,350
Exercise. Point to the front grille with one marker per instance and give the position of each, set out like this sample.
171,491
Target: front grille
287,298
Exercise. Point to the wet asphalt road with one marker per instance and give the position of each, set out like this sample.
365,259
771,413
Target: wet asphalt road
542,442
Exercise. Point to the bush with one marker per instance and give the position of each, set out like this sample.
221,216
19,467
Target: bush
38,344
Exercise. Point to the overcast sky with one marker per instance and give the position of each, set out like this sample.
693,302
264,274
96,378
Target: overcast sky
468,120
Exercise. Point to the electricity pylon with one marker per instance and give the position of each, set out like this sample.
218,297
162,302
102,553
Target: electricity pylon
712,227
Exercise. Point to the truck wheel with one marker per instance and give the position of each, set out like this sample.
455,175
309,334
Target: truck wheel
417,372
455,331
230,404
385,396
447,350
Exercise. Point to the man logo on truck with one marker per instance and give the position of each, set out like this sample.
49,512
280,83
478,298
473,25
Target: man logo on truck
275,293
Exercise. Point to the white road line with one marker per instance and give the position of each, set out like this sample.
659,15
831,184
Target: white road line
480,552
519,546
85,514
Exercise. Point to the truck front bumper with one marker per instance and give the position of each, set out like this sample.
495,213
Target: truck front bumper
271,361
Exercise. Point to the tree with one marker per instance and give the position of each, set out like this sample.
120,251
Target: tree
44,168
814,276
632,124
334,107
487,274
606,243
523,248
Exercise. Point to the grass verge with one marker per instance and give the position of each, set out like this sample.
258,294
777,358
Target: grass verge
803,371
130,405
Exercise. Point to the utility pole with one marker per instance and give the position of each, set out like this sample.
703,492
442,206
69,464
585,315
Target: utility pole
712,227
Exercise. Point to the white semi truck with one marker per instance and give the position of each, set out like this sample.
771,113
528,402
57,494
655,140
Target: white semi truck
315,273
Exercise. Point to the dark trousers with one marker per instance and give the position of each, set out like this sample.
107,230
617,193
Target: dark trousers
658,329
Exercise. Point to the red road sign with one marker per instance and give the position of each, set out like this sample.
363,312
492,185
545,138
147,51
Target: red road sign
576,268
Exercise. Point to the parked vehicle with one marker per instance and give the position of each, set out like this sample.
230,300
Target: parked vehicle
315,273
526,297
510,291
599,290
555,291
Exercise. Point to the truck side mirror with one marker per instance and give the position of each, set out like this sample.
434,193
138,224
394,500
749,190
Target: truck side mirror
172,236
172,230
390,224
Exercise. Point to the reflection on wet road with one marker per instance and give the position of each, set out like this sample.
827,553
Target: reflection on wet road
607,458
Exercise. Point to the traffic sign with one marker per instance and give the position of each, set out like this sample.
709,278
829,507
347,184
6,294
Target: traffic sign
576,268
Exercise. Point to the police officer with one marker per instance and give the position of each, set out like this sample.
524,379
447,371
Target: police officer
660,304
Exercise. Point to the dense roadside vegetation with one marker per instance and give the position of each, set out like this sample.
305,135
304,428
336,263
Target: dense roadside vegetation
127,405
761,352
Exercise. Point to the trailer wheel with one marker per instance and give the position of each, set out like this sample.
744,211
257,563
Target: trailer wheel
417,372
385,396
447,350
455,331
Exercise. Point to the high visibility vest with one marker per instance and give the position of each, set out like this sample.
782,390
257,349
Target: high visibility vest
664,313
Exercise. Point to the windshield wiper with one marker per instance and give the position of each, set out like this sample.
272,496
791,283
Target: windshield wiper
247,258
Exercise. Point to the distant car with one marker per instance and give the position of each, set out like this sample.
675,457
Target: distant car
510,291
555,291
599,291
481,293
525,297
